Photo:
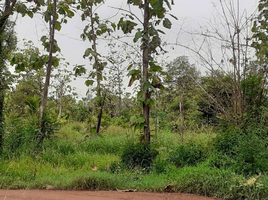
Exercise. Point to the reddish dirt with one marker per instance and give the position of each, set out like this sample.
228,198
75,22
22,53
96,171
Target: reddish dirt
92,195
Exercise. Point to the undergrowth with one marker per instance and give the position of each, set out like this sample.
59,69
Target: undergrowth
204,164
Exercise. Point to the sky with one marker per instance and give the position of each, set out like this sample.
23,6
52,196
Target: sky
192,15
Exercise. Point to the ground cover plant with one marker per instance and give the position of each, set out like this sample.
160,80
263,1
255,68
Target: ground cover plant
110,161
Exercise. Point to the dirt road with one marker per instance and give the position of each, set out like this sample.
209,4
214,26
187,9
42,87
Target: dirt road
92,195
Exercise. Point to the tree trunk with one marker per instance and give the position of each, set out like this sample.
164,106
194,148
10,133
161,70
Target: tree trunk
61,94
145,60
182,121
3,20
1,112
2,93
52,22
98,72
120,93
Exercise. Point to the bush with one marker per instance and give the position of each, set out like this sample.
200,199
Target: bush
138,155
186,155
19,137
49,126
245,151
160,166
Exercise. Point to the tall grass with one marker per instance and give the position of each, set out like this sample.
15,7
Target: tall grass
65,163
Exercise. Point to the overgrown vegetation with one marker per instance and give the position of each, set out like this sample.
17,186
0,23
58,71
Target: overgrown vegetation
229,165
179,131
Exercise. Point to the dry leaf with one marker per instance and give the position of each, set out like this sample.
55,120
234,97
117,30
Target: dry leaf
129,190
94,167
49,187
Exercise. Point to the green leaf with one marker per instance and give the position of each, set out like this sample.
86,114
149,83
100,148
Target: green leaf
138,35
126,26
173,16
140,120
147,85
43,38
149,102
61,11
157,4
113,25
89,82
129,67
166,23
79,70
156,68
93,130
13,60
55,62
133,119
131,81
98,99
134,72
57,26
168,4
134,2
30,14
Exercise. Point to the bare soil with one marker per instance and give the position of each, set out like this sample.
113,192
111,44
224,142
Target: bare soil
93,195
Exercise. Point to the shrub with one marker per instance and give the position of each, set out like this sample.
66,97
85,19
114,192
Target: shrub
138,155
186,155
49,127
19,137
160,165
245,151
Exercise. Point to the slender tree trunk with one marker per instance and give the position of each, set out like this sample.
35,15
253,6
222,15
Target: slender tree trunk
145,59
61,94
1,110
2,92
52,22
182,121
120,93
98,72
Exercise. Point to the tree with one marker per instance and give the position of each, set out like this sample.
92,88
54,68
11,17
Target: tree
92,32
180,95
153,14
224,49
259,42
116,74
51,16
61,81
6,10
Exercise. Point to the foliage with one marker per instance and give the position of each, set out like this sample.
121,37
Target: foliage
138,155
187,155
260,33
20,137
241,150
50,126
149,37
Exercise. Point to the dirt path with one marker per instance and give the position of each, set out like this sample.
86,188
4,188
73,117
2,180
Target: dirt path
92,195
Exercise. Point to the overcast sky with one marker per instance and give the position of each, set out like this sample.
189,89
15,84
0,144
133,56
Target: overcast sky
191,14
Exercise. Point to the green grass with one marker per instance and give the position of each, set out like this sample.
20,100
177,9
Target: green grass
63,163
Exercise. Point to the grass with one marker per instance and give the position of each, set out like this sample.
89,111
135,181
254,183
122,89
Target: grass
65,164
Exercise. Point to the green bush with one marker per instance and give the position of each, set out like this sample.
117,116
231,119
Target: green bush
160,166
49,127
19,137
138,155
186,155
245,151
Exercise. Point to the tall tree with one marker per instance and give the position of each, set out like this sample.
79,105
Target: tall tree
154,13
7,7
54,9
92,32
224,50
